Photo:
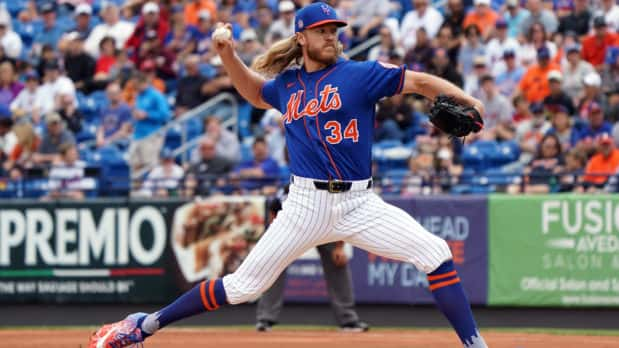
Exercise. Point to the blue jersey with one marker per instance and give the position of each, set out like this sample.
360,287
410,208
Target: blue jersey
329,115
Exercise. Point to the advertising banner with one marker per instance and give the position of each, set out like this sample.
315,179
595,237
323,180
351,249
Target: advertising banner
460,220
554,250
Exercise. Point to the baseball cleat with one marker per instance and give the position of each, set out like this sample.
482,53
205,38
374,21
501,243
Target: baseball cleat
264,325
124,333
356,326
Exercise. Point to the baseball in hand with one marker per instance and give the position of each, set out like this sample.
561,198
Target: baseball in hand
222,33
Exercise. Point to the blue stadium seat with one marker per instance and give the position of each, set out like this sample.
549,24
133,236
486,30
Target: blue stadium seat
473,157
173,138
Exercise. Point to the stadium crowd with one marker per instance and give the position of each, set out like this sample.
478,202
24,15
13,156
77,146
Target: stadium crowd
547,72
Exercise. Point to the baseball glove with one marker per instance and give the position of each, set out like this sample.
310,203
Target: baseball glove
454,119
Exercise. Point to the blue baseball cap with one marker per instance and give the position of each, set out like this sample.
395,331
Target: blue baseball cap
314,15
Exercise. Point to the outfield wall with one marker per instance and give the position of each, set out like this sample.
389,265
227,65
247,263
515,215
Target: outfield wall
554,250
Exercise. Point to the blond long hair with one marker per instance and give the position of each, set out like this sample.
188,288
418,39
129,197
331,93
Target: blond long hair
282,55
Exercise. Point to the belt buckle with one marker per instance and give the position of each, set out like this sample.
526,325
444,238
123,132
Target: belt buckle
333,188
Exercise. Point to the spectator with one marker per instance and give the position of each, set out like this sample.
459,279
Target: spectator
209,171
79,65
165,179
149,68
537,37
498,115
570,178
219,82
228,145
454,16
423,16
418,58
592,94
161,59
51,32
107,58
548,161
264,18
610,10
69,113
578,19
192,8
446,40
610,70
112,26
150,113
522,110
594,46
115,118
557,96
472,47
483,17
283,27
55,137
151,21
514,16
55,84
9,86
67,177
472,81
418,181
10,40
83,22
538,14
442,67
574,70
367,17
387,43
602,165
446,168
499,44
596,126
561,126
508,80
28,101
249,46
48,55
189,91
393,118
275,135
200,35
8,138
530,132
534,83
259,173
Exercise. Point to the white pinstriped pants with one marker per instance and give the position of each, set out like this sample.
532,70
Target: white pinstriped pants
311,217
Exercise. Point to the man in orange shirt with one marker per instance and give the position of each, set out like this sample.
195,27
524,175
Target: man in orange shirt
602,164
594,46
483,17
534,84
193,7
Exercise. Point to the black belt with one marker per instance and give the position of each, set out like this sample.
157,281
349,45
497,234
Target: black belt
335,186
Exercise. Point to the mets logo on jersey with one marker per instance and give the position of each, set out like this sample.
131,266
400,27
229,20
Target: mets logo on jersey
329,100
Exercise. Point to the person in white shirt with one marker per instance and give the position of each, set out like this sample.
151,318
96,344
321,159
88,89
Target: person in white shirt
165,178
284,25
422,16
28,101
112,26
9,40
67,178
610,10
498,45
55,84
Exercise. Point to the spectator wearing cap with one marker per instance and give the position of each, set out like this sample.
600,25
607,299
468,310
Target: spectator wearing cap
561,121
283,26
442,67
150,113
56,83
610,10
577,20
83,20
153,55
534,84
592,93
189,89
79,65
50,33
424,16
165,179
150,22
473,47
249,47
54,138
536,38
28,101
67,177
192,8
112,26
594,46
483,17
264,18
529,132
514,15
149,68
557,96
538,14
210,168
500,43
9,85
115,118
508,80
219,82
498,114
603,164
200,34
10,41
597,125
472,80
574,70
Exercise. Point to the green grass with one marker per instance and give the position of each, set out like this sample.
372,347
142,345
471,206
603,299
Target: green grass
561,332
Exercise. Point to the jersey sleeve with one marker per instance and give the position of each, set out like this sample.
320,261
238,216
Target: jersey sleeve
382,79
270,93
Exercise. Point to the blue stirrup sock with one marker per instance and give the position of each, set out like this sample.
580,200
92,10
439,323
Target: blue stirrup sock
452,302
207,296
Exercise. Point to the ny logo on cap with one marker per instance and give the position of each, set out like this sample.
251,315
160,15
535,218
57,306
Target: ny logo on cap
325,9
300,23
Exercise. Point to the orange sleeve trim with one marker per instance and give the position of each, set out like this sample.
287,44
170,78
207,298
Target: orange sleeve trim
211,292
444,284
441,276
203,295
